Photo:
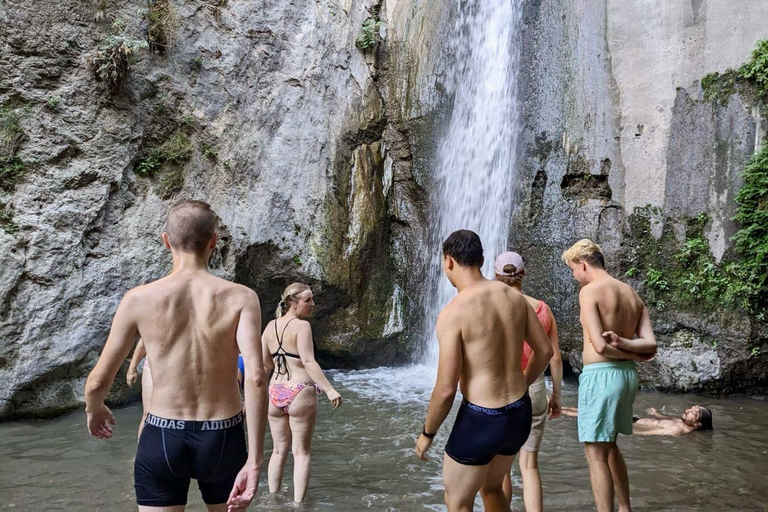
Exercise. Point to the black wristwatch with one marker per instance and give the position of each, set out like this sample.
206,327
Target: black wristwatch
428,436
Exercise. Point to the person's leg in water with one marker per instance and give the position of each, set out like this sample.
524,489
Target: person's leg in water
177,508
529,469
303,413
492,488
620,478
146,395
462,482
600,474
281,446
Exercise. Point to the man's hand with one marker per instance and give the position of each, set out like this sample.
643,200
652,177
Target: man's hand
423,443
334,397
614,339
244,490
131,376
100,421
554,406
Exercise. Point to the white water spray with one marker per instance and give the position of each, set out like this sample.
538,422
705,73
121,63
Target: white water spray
476,160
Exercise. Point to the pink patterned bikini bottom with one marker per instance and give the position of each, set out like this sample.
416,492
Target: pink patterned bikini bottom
282,394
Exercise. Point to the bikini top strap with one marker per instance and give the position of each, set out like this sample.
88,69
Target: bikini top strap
280,353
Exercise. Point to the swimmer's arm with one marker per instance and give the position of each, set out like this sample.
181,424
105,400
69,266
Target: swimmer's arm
645,343
122,336
255,382
540,345
448,374
590,319
307,355
138,354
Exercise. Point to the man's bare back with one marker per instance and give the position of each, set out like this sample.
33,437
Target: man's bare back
493,320
188,321
619,308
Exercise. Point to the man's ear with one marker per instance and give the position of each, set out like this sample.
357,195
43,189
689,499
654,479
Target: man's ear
449,262
166,240
583,265
482,261
214,240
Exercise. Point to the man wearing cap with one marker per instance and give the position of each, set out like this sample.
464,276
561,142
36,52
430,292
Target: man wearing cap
611,315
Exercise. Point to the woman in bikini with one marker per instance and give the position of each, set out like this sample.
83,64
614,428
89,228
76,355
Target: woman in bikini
295,381
510,269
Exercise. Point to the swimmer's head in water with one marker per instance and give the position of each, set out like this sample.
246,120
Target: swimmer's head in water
509,268
191,227
584,253
296,296
699,417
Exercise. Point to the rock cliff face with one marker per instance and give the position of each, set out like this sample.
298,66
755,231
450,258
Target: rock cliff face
314,153
621,146
317,156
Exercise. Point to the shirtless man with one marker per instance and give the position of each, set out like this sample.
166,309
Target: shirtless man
611,314
481,333
694,418
192,324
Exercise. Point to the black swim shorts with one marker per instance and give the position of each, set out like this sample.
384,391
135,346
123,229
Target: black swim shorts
171,452
480,433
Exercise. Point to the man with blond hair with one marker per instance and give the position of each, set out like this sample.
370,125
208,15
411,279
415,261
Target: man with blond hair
193,324
611,315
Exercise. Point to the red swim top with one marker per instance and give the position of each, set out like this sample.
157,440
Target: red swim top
542,313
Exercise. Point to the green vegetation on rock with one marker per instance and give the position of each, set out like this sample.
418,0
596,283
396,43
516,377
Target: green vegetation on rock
176,150
369,34
752,239
114,55
161,26
6,221
12,168
750,79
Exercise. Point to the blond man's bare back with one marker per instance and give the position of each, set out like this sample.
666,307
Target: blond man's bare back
491,318
620,310
189,322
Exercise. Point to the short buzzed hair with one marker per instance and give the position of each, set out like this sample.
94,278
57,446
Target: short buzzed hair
465,247
585,250
190,226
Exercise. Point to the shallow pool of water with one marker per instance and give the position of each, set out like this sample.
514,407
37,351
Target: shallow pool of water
363,457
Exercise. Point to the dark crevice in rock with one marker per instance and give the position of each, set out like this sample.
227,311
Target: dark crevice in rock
584,185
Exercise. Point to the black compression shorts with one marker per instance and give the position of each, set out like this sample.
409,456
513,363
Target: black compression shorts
171,452
480,433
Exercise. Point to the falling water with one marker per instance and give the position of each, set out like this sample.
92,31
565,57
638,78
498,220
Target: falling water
476,159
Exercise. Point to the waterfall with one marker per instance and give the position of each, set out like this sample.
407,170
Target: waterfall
476,165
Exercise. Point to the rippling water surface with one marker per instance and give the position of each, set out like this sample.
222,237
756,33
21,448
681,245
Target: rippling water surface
363,457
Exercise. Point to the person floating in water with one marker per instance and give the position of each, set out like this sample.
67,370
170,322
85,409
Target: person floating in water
480,335
695,418
192,324
295,381
510,270
611,314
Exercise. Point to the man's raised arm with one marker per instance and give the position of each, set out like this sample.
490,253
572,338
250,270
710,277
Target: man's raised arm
255,385
122,335
448,374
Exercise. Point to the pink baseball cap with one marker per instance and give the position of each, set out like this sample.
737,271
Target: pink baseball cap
508,258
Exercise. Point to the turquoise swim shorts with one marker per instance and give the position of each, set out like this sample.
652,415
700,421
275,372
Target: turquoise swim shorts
606,394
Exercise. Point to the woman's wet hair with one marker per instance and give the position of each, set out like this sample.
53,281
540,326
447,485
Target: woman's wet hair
465,247
514,278
290,296
705,418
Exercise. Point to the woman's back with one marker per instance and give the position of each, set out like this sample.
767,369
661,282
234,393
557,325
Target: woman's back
282,342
